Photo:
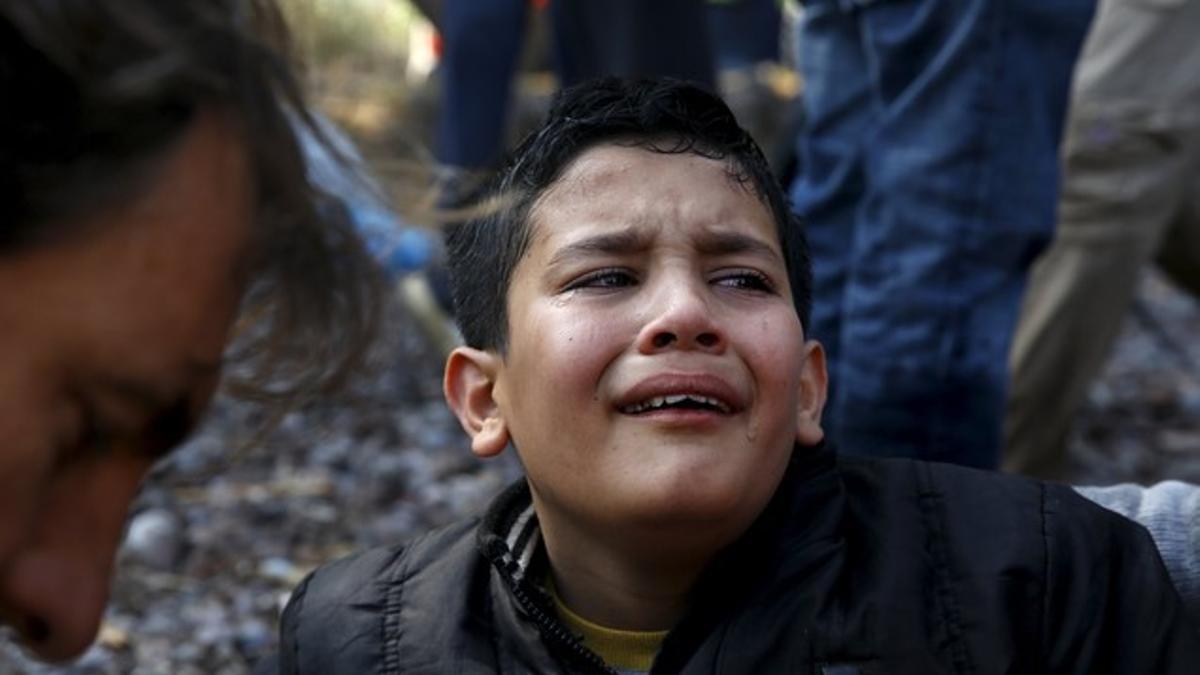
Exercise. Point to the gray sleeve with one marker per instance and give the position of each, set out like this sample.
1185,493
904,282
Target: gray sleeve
1171,512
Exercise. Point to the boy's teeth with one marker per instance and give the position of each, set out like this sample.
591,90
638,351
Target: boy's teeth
675,399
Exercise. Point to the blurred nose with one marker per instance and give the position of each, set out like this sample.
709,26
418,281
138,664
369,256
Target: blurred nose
680,318
54,588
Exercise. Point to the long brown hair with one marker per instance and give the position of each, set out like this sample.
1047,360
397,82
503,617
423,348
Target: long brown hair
95,90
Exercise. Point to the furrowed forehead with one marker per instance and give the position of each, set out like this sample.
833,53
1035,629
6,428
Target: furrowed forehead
598,165
586,172
603,187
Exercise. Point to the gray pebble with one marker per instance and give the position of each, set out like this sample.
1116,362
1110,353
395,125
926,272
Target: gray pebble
155,538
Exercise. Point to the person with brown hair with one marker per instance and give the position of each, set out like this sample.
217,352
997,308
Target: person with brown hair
151,192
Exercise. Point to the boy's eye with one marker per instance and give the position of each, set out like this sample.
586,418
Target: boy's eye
747,280
604,279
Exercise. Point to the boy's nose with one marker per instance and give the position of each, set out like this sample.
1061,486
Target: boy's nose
683,320
53,590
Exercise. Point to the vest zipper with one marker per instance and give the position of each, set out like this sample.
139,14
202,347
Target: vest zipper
551,628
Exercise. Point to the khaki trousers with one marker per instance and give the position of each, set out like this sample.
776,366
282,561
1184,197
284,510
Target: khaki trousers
1130,196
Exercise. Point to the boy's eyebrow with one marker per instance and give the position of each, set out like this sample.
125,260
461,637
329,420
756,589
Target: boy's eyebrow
716,242
624,241
713,243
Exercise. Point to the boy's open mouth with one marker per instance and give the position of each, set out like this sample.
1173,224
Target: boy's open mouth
681,392
677,401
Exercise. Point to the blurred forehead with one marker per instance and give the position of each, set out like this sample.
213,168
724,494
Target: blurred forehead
151,282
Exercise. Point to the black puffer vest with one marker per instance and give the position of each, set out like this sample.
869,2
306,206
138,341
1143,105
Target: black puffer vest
856,567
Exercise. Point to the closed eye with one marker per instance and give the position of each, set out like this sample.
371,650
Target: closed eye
96,436
153,434
605,279
746,280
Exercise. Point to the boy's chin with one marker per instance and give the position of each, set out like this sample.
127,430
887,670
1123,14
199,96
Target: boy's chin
690,503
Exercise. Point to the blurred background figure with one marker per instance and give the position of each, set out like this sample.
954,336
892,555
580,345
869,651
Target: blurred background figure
1130,197
482,42
632,38
337,166
928,173
756,74
742,32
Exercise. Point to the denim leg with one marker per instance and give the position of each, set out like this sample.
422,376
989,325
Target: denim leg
960,172
632,38
826,193
744,33
482,41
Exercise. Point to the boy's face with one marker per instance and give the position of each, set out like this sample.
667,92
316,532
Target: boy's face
656,373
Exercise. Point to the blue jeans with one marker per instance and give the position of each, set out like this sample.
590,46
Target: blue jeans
745,32
928,180
632,38
483,42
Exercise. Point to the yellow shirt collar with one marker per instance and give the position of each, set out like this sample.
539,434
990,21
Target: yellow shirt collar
622,649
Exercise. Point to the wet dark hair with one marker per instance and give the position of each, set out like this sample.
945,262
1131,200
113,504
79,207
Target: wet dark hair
665,116
97,91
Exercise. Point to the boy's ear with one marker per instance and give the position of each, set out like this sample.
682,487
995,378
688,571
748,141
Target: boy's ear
468,384
813,383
